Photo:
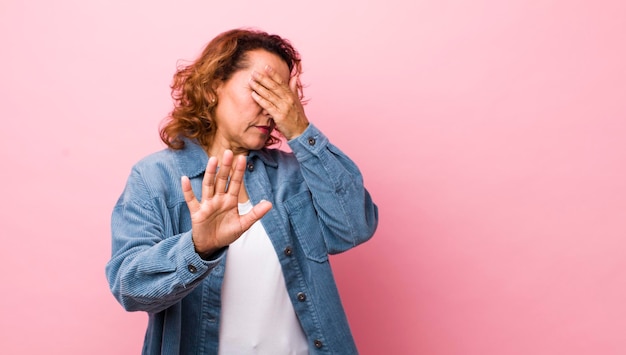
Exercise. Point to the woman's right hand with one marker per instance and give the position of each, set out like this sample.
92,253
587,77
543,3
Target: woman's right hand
215,219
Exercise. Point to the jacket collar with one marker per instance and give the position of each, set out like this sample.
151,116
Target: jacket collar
192,159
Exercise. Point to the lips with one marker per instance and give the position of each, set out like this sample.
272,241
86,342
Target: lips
264,129
267,129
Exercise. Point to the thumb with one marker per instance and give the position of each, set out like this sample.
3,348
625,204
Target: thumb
258,211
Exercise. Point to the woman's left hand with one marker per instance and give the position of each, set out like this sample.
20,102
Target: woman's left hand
280,100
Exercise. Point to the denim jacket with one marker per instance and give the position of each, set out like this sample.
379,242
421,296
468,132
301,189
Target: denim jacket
320,207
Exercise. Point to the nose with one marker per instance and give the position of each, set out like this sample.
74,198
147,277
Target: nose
270,121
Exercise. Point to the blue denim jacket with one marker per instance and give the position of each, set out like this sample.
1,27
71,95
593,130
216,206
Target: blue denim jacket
320,207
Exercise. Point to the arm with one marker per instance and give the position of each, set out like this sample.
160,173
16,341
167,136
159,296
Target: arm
345,209
152,269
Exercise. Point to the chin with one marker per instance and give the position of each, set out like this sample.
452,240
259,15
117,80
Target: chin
256,146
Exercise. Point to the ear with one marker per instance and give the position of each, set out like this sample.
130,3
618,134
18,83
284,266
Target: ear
213,94
217,86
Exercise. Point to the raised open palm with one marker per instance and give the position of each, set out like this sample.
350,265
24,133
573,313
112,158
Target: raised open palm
215,219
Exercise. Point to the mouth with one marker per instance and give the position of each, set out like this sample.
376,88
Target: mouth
264,129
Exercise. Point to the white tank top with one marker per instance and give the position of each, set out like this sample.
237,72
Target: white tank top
257,315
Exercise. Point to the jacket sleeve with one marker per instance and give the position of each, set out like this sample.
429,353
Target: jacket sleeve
345,209
150,268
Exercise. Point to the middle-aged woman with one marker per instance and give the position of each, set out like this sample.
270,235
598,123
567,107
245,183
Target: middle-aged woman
232,258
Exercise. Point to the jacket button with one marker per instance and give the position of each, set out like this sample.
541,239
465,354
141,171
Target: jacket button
192,269
288,251
311,141
250,167
318,343
301,296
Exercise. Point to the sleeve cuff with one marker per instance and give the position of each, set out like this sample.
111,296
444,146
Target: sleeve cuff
190,265
309,143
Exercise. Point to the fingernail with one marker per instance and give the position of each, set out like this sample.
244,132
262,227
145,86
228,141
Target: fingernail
268,68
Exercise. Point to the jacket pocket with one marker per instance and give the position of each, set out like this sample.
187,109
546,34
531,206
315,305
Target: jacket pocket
304,222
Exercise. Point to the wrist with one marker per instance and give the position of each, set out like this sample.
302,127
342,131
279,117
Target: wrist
205,252
297,133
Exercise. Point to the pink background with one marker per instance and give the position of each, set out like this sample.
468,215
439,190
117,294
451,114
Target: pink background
492,134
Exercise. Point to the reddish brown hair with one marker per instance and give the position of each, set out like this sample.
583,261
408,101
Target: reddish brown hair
193,86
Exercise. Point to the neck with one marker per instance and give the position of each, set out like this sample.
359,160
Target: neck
217,151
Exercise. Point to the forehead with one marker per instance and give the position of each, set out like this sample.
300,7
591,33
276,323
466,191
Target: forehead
257,60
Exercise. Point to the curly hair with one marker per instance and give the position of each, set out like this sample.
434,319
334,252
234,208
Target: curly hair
193,85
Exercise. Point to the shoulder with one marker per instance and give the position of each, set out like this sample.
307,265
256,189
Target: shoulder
148,177
155,163
190,161
157,175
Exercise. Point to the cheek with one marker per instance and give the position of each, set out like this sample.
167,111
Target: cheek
246,101
239,100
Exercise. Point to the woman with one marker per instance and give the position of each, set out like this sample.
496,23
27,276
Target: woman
232,258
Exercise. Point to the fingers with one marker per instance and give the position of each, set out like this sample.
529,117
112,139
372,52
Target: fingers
269,86
228,179
224,172
264,95
208,186
236,178
263,102
208,182
190,197
269,71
